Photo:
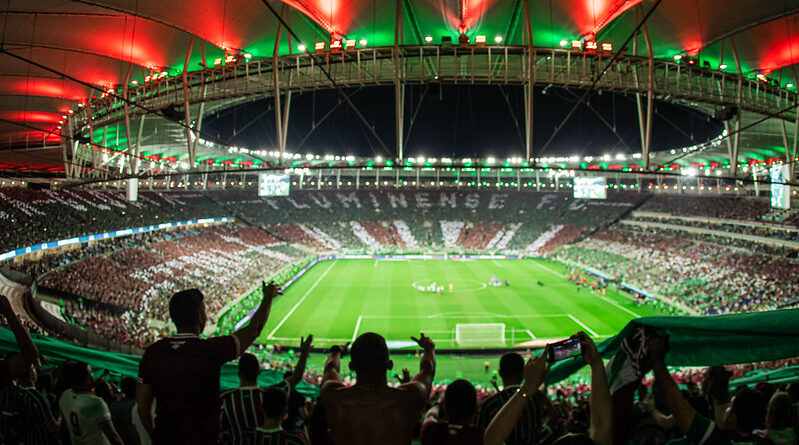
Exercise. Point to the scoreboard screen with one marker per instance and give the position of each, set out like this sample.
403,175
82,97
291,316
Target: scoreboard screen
780,193
273,185
590,188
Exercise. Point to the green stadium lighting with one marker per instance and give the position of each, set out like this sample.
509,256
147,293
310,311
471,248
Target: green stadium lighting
428,39
498,39
564,43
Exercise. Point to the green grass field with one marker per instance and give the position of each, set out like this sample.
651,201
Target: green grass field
338,299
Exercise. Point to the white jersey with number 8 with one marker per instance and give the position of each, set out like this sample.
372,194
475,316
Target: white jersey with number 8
83,413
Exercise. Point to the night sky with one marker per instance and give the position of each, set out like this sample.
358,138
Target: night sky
461,121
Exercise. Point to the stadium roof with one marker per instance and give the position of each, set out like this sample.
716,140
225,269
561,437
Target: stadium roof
54,51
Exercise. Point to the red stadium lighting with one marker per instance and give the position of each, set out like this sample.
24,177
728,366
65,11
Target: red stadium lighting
350,43
576,44
335,44
590,45
319,46
230,58
217,61
607,47
480,40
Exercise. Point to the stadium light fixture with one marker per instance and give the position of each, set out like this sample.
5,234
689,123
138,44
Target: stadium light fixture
607,47
790,85
722,66
576,44
564,43
480,39
677,57
319,46
301,48
498,39
428,39
350,43
363,42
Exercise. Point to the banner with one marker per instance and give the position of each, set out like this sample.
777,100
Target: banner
57,352
697,341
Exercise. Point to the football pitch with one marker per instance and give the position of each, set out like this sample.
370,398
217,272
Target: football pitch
336,300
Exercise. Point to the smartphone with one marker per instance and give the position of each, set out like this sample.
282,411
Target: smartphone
564,349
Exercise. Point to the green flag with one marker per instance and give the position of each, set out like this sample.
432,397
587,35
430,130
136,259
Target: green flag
697,341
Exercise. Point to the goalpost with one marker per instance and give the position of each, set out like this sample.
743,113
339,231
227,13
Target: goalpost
470,335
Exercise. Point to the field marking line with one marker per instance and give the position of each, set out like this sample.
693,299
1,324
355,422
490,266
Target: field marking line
357,326
531,333
271,335
495,262
336,340
583,326
608,300
617,305
465,315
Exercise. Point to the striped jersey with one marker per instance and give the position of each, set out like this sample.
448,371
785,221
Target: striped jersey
25,413
242,413
273,437
526,429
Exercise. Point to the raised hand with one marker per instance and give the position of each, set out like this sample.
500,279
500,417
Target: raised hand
344,349
535,370
406,375
658,346
424,342
305,344
590,353
270,290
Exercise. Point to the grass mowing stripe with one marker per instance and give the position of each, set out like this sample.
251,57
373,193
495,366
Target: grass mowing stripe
319,280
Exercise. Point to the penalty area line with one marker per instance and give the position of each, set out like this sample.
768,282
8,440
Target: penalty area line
271,335
594,334
495,262
357,326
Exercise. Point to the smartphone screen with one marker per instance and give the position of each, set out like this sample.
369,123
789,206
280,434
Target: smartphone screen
564,349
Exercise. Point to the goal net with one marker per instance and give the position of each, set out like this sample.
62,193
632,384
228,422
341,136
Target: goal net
471,335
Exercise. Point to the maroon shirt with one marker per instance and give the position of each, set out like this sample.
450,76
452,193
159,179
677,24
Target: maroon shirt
442,433
183,371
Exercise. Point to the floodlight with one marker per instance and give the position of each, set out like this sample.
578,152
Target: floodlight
564,42
319,46
790,85
498,39
677,57
301,48
479,39
722,66
363,42
428,39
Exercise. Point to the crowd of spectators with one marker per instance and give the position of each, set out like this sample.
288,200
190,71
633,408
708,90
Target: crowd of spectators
133,279
706,276
763,231
47,215
749,209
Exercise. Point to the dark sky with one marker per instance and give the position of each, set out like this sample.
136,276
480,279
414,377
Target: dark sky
461,121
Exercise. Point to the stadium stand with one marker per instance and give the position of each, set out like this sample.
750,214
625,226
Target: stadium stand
120,289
